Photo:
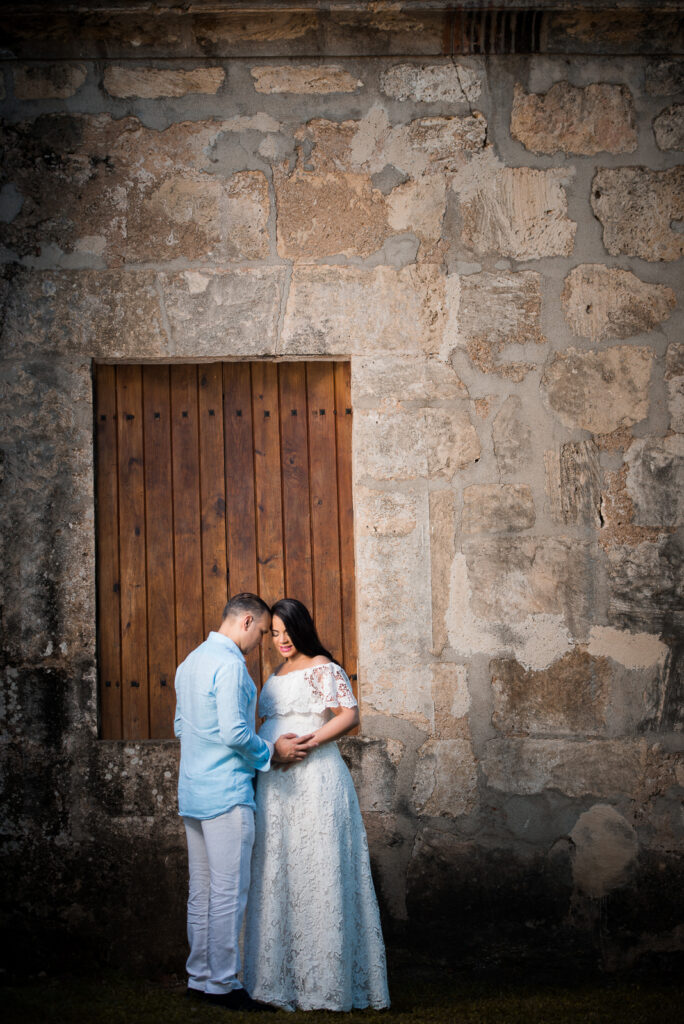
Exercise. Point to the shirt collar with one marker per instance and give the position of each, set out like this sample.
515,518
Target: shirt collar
225,641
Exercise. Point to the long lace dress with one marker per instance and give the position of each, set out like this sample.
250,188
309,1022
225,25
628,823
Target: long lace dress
312,935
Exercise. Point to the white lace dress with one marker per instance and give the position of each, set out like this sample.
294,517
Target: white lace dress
312,934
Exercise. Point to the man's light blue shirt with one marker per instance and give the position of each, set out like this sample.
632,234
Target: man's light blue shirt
220,751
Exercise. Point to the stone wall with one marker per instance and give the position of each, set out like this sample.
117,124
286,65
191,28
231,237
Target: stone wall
496,245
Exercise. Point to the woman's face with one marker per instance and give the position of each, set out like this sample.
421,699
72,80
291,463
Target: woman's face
280,638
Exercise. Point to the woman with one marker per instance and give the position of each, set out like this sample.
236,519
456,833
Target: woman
312,937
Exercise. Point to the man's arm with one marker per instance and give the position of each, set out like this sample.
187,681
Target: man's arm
233,697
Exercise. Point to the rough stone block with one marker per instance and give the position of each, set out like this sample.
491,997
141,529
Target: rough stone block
571,696
645,586
573,483
304,80
451,441
452,701
247,210
655,481
516,577
101,314
497,508
605,851
418,207
636,207
385,381
432,83
216,32
602,768
599,391
594,119
605,302
223,313
668,128
617,514
445,781
674,377
665,77
519,212
385,513
393,444
511,436
49,82
513,304
442,550
399,686
349,310
328,215
157,83
374,773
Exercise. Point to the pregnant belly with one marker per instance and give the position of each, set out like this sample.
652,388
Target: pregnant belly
298,724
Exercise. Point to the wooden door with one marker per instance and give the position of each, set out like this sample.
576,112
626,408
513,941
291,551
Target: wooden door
214,479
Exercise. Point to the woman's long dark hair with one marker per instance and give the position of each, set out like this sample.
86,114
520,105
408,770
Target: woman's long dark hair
300,627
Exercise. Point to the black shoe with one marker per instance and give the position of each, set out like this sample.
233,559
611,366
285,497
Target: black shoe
194,993
237,999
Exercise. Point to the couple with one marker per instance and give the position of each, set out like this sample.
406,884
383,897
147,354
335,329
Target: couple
312,936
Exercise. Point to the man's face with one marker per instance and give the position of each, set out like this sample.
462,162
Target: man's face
254,631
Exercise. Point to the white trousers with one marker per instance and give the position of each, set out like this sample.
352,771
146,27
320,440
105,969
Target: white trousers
219,855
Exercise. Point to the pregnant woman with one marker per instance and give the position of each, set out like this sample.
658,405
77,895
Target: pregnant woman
313,938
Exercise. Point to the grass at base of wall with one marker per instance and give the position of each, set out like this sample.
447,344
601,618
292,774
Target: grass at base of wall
419,994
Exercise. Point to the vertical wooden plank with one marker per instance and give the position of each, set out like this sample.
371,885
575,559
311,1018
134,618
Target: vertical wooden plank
295,477
186,510
269,522
343,431
212,494
108,588
134,680
324,515
161,611
240,500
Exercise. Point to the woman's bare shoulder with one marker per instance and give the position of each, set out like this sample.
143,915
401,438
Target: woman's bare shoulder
319,659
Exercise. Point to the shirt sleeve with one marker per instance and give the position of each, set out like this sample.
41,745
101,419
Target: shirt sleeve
177,718
234,694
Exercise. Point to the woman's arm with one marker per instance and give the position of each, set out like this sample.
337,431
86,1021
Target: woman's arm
344,720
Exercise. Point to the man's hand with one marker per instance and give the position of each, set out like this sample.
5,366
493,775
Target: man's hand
290,748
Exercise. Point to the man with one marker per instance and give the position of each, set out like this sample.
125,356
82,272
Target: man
220,753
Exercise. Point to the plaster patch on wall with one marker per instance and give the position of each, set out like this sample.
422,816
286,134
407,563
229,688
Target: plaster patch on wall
633,650
535,641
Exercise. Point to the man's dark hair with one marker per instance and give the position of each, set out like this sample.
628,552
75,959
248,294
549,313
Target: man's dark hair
246,604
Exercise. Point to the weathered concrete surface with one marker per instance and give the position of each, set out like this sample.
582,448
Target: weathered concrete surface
518,394
566,119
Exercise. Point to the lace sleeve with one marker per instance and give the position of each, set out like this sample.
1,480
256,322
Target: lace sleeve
330,684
